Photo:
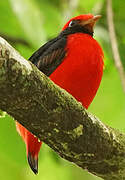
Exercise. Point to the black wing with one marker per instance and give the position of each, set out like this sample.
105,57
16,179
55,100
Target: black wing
48,57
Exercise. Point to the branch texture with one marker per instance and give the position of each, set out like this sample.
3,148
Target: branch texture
56,118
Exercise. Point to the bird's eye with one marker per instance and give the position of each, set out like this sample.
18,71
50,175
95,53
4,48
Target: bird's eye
72,23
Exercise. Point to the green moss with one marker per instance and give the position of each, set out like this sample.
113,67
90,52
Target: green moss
89,154
56,130
78,131
65,146
78,156
1,62
2,74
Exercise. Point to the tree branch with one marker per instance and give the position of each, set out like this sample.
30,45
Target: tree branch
56,118
114,44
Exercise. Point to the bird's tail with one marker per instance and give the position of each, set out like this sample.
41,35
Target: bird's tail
32,146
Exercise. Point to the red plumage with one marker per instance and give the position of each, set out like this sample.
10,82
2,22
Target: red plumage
32,146
82,68
74,61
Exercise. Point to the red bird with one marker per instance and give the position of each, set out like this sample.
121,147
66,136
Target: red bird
74,61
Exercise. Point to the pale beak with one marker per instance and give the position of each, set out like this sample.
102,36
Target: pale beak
95,18
89,24
91,21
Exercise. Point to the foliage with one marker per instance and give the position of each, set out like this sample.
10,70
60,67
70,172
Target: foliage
35,21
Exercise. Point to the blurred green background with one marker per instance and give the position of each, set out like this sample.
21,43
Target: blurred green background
26,25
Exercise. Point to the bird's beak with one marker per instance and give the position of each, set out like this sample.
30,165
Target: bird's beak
90,22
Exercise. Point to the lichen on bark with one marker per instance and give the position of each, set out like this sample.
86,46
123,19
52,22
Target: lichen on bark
56,118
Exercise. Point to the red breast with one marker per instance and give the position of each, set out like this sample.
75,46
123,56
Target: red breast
81,71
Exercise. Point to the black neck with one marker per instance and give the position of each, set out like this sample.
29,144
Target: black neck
76,29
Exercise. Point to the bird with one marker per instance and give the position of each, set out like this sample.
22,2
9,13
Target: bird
73,60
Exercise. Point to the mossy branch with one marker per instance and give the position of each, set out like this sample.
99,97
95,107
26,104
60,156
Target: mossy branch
56,118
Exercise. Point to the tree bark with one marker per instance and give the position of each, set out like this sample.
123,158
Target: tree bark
56,118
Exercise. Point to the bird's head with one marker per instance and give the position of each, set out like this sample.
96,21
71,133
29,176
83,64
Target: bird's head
83,23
